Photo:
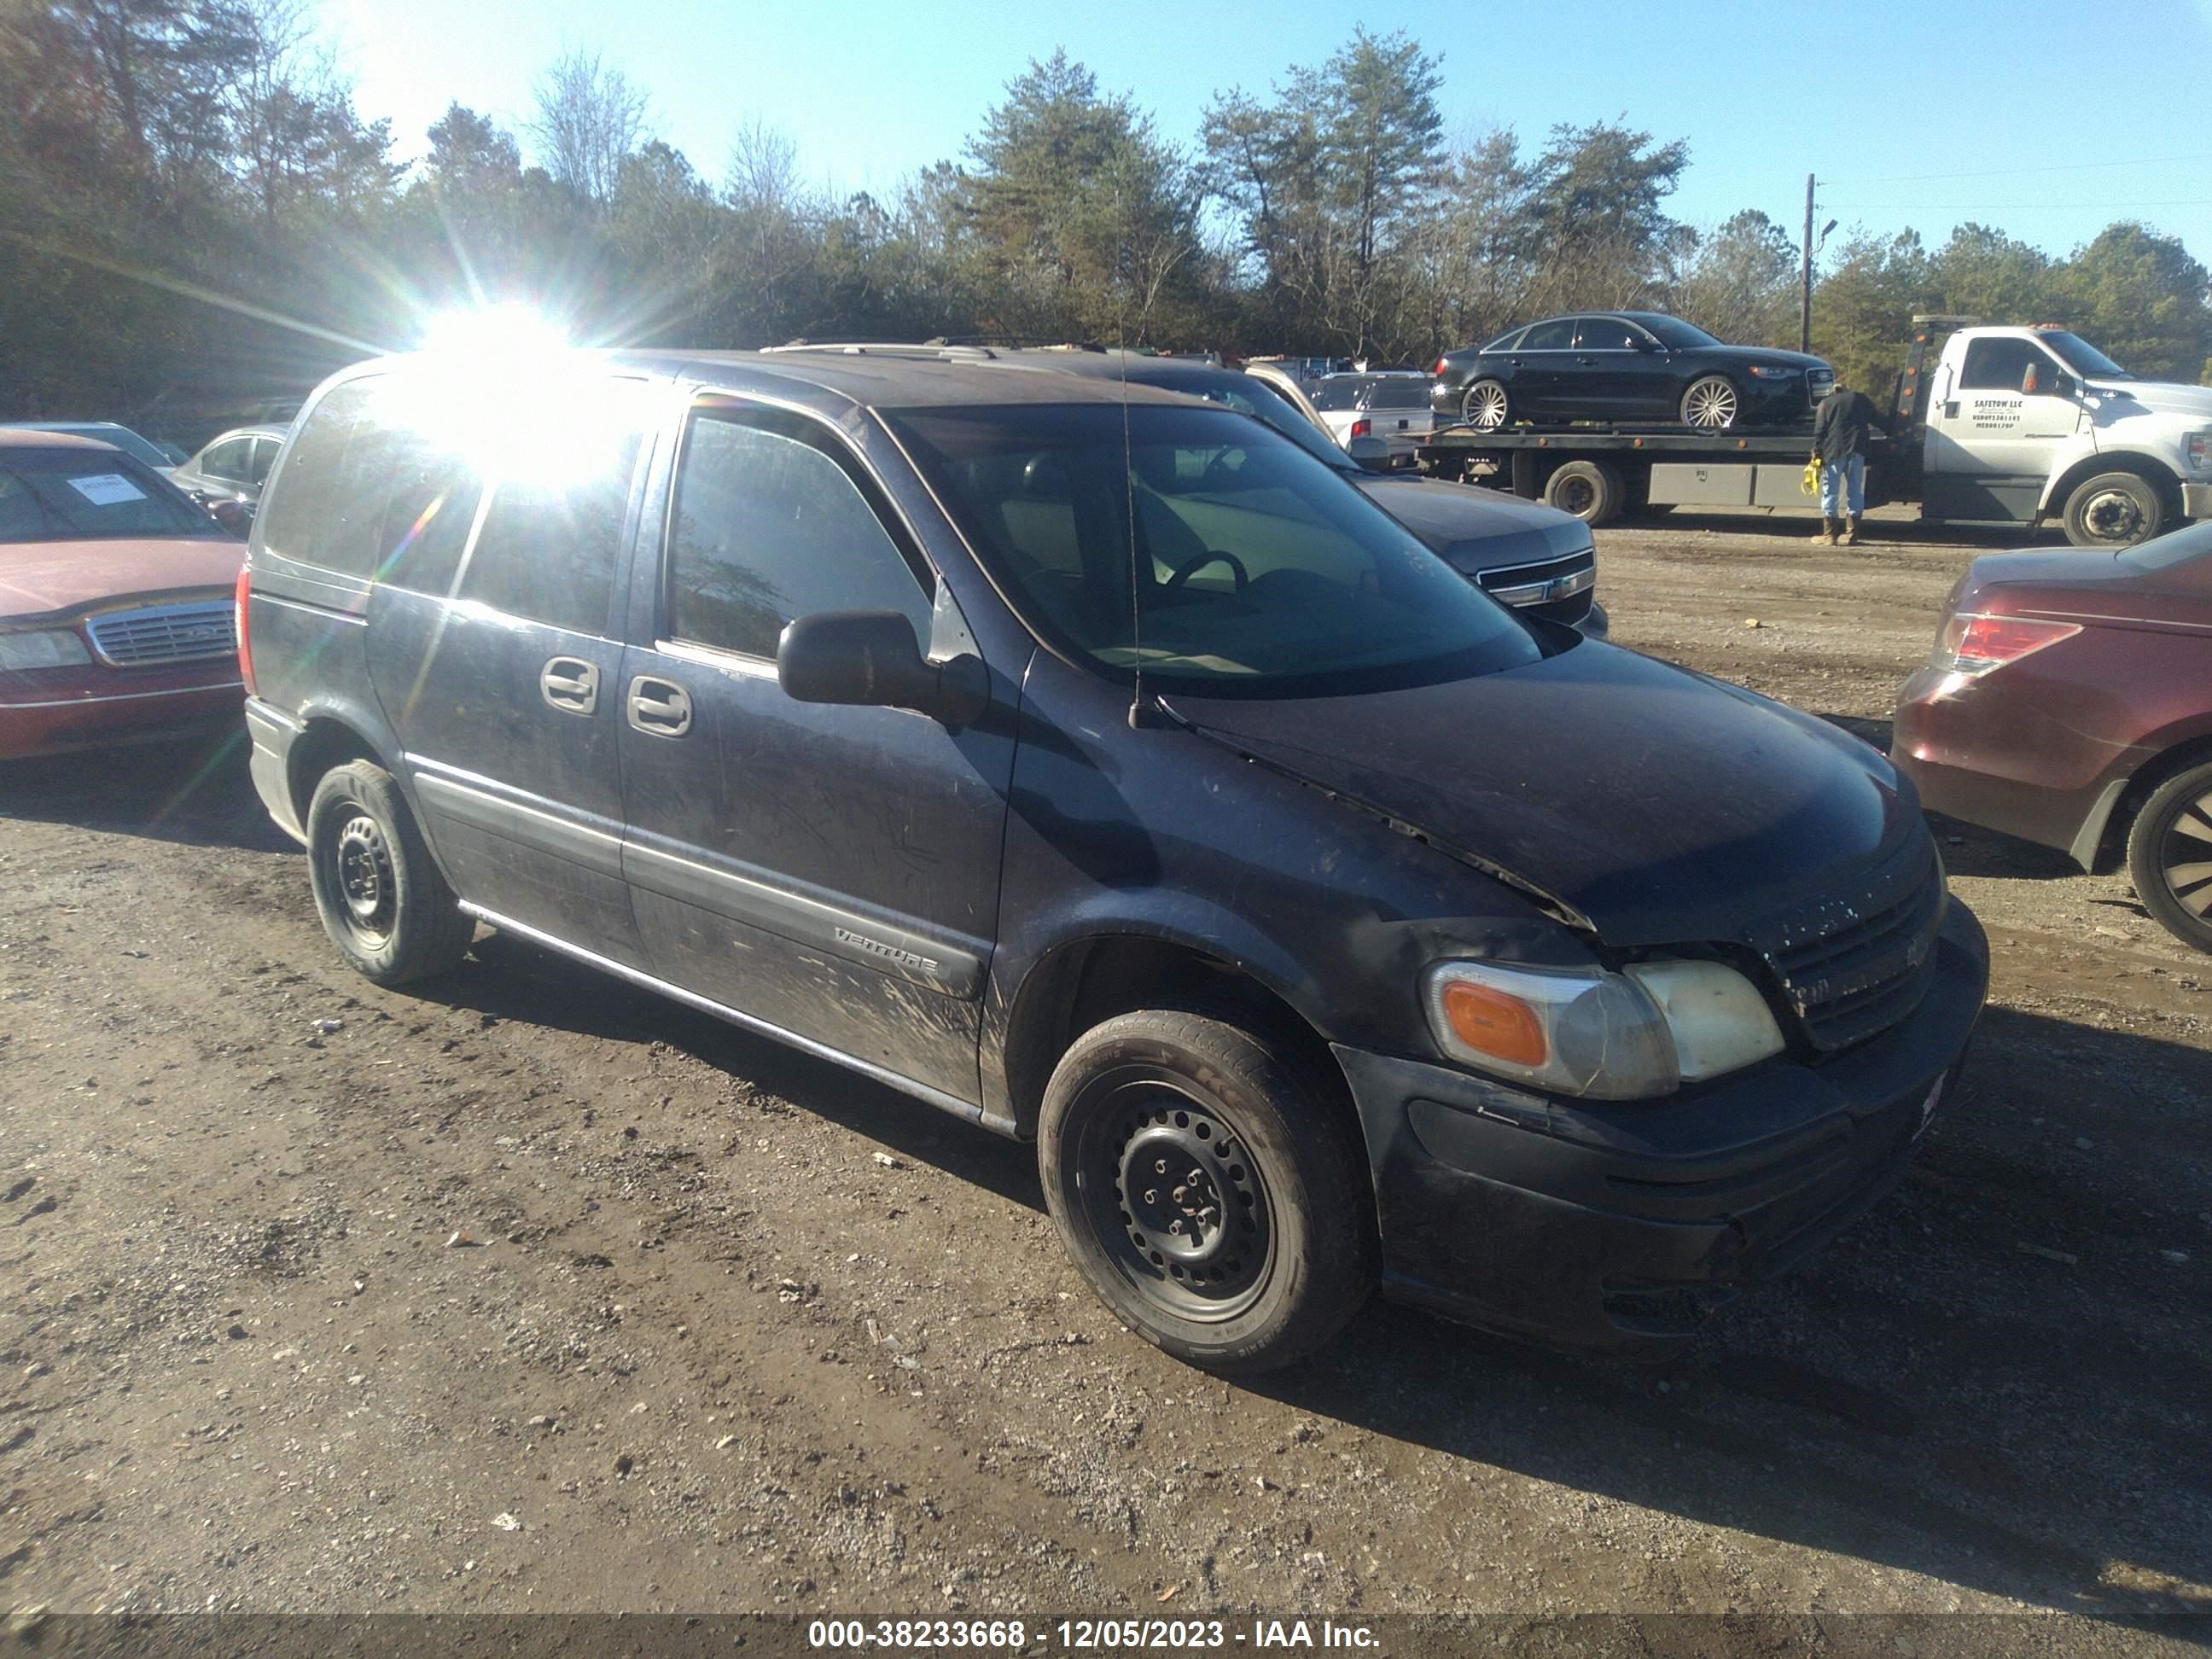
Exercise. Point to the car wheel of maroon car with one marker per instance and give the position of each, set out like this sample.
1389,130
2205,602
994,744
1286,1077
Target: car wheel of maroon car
1210,1192
2170,855
384,903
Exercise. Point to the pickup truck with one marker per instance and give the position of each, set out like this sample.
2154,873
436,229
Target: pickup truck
1998,425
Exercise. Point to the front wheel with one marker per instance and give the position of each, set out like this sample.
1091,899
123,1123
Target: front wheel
1211,1191
2170,855
2114,509
383,900
1711,402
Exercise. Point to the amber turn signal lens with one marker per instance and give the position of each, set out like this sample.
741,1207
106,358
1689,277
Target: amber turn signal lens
1493,1023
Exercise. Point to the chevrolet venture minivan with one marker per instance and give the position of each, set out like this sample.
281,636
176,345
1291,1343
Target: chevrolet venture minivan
1095,764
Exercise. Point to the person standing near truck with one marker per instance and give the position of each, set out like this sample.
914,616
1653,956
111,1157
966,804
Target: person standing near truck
1842,427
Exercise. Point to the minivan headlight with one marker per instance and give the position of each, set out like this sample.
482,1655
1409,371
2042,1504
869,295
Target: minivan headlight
1601,1036
57,647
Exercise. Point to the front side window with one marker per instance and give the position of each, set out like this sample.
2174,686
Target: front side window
2000,365
1256,570
72,494
769,525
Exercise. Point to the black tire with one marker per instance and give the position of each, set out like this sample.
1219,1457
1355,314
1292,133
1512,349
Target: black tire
2114,509
2170,855
384,903
1711,402
1488,406
1589,489
1281,1249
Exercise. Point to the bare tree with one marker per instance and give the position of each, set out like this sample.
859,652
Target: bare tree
589,120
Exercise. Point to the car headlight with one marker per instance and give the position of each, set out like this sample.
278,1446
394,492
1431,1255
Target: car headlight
1774,371
48,648
2200,450
1599,1036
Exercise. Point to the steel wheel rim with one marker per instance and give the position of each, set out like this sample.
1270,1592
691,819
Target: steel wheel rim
1710,403
1175,1200
2185,857
1486,408
362,878
1576,495
2113,515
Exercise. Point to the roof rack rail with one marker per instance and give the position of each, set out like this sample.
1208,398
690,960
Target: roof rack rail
1017,342
944,351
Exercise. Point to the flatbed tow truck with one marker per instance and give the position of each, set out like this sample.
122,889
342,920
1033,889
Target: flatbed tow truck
2005,425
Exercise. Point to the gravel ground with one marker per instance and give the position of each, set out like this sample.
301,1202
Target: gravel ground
527,1291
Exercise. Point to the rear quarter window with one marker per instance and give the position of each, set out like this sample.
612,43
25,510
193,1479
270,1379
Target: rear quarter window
329,496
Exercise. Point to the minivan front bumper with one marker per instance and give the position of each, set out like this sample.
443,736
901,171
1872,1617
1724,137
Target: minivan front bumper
1617,1227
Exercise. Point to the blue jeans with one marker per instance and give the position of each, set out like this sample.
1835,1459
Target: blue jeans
1835,476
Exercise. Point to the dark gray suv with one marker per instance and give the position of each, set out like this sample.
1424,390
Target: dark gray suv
1102,768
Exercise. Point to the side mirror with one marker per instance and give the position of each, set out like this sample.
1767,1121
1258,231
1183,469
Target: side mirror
1371,452
871,657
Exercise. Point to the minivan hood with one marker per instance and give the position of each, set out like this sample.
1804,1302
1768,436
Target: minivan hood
2161,396
42,578
1476,529
1662,806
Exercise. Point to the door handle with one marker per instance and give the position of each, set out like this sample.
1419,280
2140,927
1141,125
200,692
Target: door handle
660,707
1587,363
570,684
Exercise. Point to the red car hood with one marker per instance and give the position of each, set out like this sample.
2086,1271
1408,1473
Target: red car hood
40,579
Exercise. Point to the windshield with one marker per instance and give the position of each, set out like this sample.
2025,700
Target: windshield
75,495
1673,331
2078,355
1257,571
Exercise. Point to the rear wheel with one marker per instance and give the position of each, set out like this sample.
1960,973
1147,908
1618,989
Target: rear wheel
1211,1191
1588,490
1711,402
383,901
2170,855
1486,407
2114,509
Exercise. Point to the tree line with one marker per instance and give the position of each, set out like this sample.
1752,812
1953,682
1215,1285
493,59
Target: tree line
192,209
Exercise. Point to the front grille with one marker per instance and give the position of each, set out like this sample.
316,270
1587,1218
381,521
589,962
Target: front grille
1558,589
165,634
1853,967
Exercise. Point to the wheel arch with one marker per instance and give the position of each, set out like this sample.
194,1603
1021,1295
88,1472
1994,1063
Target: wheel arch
2149,468
330,738
1088,979
2177,752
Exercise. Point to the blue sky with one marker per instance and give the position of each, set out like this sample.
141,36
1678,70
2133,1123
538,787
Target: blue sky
2044,117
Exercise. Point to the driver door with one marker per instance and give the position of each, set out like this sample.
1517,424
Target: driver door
830,870
1989,425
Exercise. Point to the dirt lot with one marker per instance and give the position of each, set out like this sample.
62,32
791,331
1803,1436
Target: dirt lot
739,1331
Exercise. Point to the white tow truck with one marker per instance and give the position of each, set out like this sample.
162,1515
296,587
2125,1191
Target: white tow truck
1999,425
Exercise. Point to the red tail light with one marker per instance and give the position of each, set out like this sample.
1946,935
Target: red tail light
1975,641
1362,428
1441,366
245,638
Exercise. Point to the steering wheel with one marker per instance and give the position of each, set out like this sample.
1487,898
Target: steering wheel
1190,567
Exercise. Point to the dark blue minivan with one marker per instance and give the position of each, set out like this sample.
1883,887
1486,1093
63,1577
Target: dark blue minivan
1098,765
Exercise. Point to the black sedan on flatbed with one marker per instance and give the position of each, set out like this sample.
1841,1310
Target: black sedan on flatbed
1625,365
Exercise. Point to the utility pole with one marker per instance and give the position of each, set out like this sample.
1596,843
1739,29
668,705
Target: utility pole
1805,276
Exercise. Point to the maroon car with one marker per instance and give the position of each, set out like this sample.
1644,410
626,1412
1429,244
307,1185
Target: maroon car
2069,702
116,601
